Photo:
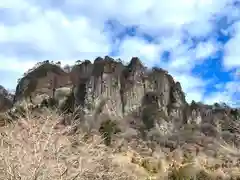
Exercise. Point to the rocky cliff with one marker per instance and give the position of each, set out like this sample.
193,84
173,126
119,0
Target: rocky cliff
5,99
133,108
124,89
115,89
43,79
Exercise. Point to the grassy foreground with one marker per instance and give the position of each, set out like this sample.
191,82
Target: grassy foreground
32,149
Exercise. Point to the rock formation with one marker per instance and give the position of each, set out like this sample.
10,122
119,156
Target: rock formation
121,89
107,85
44,79
5,99
134,109
117,90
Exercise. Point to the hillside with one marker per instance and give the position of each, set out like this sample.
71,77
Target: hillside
106,120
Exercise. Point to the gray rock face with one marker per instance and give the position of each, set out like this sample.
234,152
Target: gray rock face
5,100
43,79
107,89
120,90
3,91
159,81
81,72
100,86
133,86
106,85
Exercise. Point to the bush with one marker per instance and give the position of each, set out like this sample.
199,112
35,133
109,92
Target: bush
107,129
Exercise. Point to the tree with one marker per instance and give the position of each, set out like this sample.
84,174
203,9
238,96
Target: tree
224,105
67,68
78,61
58,63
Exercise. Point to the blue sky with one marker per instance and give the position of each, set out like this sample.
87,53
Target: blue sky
197,41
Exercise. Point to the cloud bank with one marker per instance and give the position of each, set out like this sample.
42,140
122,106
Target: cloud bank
196,41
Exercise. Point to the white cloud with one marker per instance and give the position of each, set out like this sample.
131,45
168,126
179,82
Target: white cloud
206,49
15,65
184,57
228,93
68,30
181,63
232,53
14,4
188,81
196,95
217,97
194,87
52,33
132,46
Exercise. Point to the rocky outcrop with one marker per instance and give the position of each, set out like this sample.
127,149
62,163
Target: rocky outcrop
5,99
109,87
121,90
44,79
107,84
133,86
100,86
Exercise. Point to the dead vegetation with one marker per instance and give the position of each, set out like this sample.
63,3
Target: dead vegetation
31,149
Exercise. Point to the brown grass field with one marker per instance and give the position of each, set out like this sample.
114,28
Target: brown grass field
31,149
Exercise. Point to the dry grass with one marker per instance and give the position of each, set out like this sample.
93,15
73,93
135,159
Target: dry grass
31,149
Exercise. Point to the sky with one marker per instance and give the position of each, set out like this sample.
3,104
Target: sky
196,41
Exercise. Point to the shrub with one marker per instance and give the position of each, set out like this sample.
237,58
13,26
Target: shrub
107,129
